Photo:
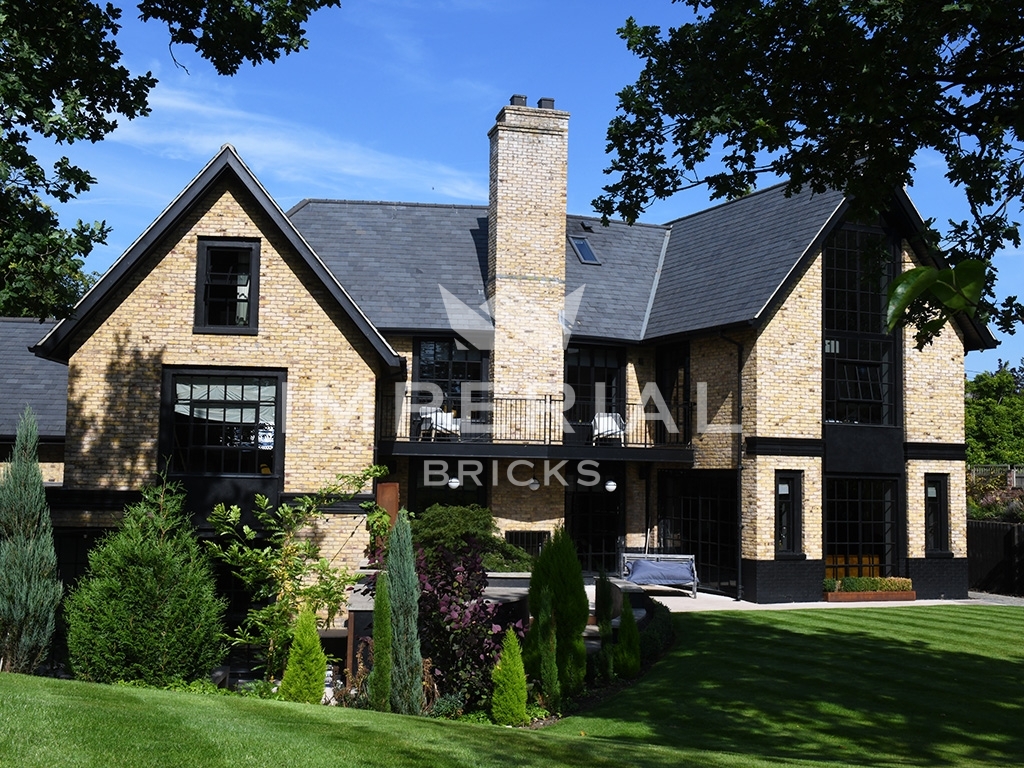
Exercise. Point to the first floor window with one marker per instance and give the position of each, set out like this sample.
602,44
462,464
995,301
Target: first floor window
787,513
227,286
936,513
223,423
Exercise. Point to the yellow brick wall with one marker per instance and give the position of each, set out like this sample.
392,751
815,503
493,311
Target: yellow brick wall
933,384
714,361
916,470
115,368
786,401
517,508
759,504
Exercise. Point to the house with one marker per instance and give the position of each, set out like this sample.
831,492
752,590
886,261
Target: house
720,385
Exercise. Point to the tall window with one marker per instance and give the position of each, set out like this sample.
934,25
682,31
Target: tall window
224,424
859,355
787,513
860,527
596,378
227,286
936,513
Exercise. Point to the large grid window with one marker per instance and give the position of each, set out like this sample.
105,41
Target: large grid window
227,286
596,379
860,527
859,356
936,513
442,362
225,424
787,513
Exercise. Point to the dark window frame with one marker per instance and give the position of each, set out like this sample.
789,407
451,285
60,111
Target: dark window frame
936,514
241,444
584,251
208,282
788,513
450,384
860,371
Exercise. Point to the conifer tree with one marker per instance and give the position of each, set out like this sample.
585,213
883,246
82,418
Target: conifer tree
379,681
404,591
627,650
29,588
305,673
508,702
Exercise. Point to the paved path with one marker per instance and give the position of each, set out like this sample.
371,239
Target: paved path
679,602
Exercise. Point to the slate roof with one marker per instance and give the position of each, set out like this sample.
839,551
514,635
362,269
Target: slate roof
724,264
29,380
394,257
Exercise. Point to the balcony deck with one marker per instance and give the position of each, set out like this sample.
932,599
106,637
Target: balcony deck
534,427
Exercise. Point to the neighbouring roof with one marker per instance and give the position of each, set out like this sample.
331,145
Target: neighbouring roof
27,380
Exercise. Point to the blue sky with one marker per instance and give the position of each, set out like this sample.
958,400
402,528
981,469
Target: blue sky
392,101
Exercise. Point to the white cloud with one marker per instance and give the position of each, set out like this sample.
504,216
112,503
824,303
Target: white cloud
191,125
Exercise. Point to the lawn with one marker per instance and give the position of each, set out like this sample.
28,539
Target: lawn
922,686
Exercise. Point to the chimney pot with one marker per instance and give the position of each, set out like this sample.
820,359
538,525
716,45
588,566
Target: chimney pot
546,103
518,100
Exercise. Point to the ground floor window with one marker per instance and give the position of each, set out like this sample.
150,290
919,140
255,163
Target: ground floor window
861,526
936,513
697,516
221,423
787,512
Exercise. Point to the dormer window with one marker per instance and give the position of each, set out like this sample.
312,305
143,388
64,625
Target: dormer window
227,283
583,250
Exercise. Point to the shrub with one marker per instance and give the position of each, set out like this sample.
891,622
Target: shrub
829,585
461,631
29,589
305,673
443,528
379,682
627,650
147,608
508,702
449,706
404,592
604,664
546,642
875,584
557,568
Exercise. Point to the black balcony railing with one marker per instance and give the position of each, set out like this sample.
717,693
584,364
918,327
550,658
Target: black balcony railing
534,421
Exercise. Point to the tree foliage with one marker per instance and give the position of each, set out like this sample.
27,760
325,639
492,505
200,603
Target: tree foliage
29,588
508,703
281,566
378,683
994,417
557,568
836,94
404,592
304,676
62,80
147,608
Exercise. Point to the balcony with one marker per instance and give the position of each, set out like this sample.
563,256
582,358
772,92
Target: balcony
541,427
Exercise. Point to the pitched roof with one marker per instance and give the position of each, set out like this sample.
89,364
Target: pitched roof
29,380
724,265
56,345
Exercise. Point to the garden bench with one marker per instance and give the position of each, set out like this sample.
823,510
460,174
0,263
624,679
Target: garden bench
661,570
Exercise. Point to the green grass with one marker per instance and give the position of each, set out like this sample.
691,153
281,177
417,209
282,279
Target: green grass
919,686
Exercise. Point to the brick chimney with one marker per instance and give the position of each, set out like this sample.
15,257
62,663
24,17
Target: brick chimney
526,247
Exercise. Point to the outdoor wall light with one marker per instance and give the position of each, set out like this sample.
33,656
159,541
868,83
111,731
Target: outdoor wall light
534,484
453,483
610,485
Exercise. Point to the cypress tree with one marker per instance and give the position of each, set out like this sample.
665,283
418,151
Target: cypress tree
627,651
29,588
558,568
404,591
547,646
379,681
305,673
508,703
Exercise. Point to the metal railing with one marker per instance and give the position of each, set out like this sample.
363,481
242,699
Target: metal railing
533,421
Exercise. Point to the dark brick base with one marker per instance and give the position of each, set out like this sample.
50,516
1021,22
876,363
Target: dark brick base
938,578
783,581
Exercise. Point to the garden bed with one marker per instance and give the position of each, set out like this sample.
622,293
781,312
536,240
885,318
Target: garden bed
867,597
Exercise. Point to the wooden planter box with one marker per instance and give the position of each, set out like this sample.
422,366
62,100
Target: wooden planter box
867,597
